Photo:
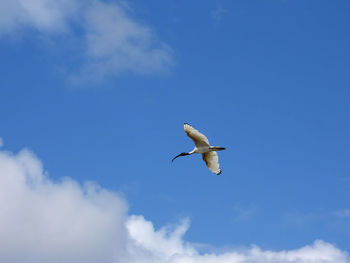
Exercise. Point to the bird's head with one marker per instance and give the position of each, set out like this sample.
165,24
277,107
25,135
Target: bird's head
181,154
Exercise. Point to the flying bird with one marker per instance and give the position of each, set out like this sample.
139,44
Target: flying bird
202,146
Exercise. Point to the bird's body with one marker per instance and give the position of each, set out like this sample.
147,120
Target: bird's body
206,149
200,150
203,147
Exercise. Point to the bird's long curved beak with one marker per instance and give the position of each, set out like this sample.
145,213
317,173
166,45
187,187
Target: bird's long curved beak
181,154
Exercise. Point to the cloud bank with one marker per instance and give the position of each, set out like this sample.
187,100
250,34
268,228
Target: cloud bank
48,221
110,40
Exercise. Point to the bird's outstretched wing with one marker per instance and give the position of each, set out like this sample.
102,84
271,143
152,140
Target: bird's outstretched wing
198,138
212,161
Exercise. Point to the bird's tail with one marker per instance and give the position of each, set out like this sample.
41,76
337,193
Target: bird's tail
217,148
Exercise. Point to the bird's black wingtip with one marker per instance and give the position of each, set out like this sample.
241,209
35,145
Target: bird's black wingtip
219,172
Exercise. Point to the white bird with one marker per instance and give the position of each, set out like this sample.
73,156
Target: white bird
202,146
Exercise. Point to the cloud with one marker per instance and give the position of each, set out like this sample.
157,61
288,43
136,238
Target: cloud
298,218
218,13
243,212
116,43
42,15
344,213
111,41
46,221
43,220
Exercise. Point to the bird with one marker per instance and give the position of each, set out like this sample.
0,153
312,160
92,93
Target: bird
202,146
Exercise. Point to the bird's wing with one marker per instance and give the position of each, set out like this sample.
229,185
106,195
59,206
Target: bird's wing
212,161
198,138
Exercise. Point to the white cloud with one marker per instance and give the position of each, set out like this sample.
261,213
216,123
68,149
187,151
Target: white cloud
43,221
111,41
46,221
163,245
116,43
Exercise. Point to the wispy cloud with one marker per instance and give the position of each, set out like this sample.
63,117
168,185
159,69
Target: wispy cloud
110,40
298,218
244,212
115,43
45,16
343,213
42,220
218,13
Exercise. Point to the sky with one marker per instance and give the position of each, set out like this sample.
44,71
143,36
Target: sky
94,95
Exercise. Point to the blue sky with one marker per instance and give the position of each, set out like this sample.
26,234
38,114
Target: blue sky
99,91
